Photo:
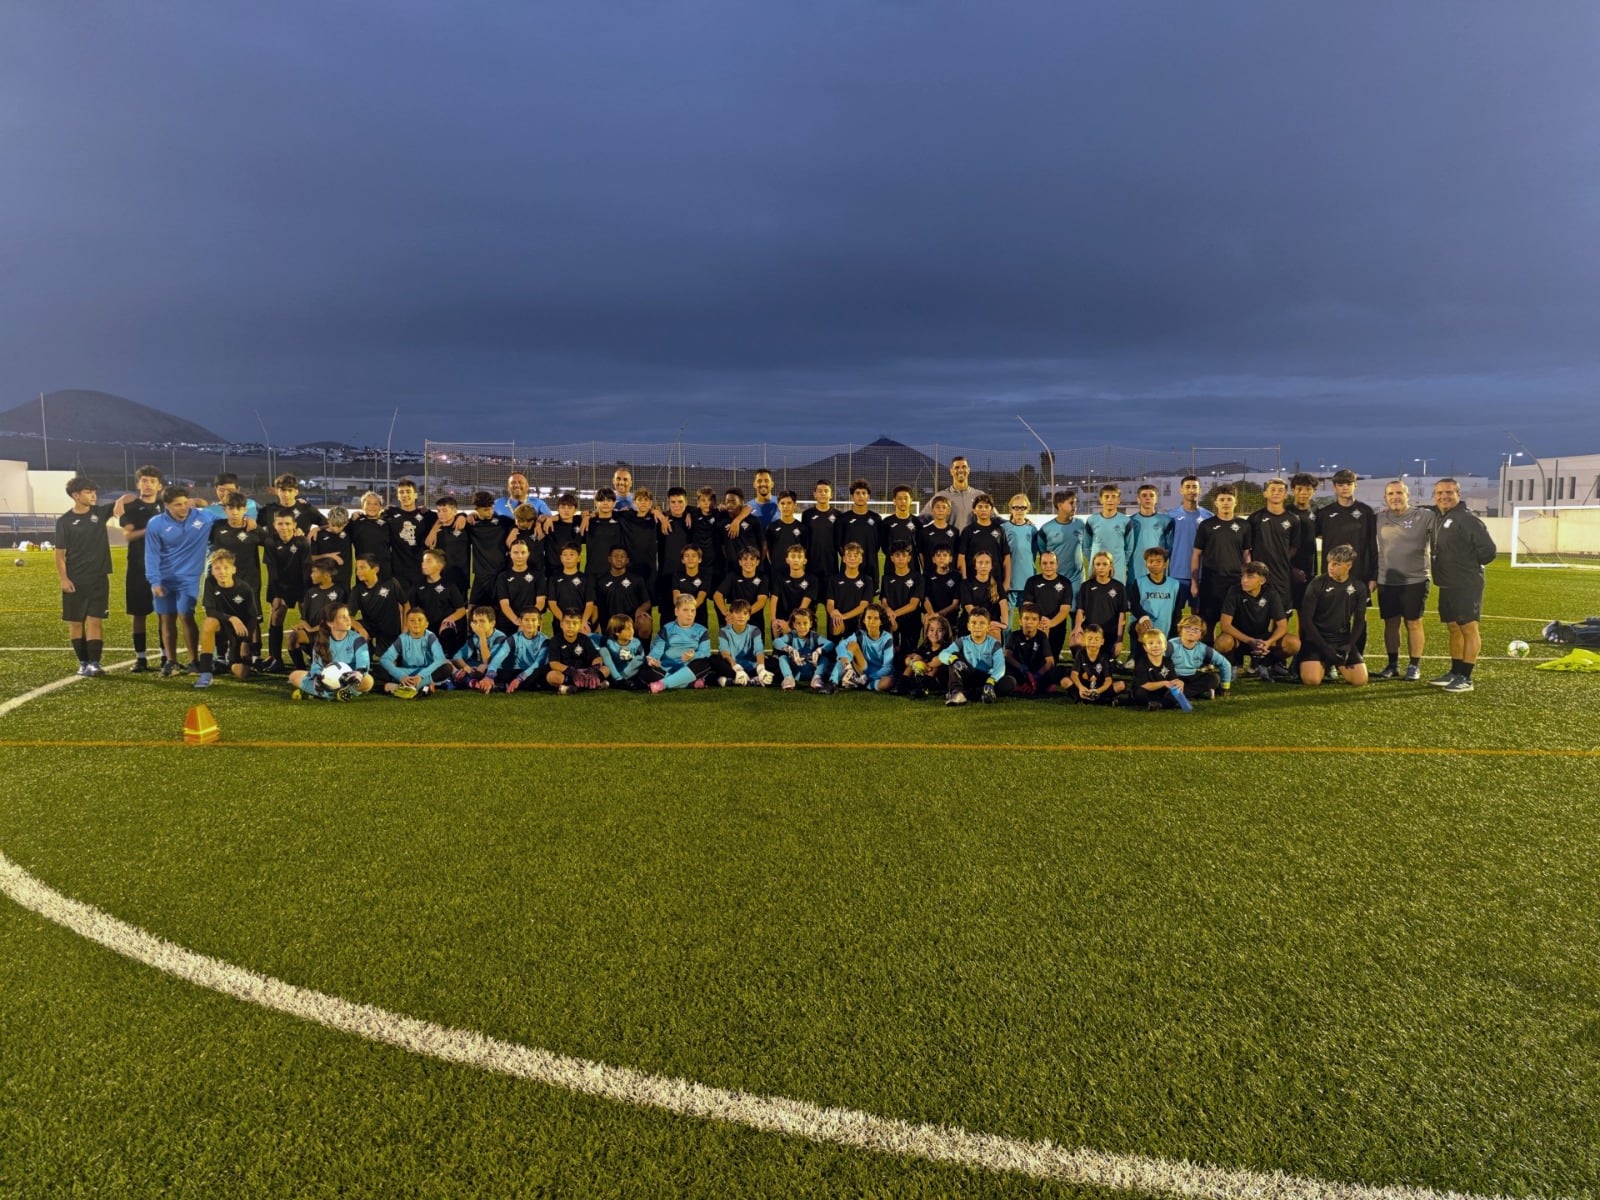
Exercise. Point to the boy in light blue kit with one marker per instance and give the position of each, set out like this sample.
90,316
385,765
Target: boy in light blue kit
1147,528
1108,531
527,654
623,655
739,644
1023,539
481,655
415,660
977,663
1066,537
681,650
1205,672
802,656
866,657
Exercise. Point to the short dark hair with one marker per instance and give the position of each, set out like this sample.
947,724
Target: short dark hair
406,481
733,491
604,494
1226,489
1255,568
482,499
1344,475
81,483
1303,479
326,563
148,472
1064,495
174,491
861,485
225,477
1187,478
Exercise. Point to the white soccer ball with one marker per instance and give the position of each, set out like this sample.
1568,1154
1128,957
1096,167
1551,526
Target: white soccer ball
46,546
19,562
1518,649
337,675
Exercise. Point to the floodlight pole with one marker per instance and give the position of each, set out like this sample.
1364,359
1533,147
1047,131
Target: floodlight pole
1050,454
266,438
1544,484
44,433
388,459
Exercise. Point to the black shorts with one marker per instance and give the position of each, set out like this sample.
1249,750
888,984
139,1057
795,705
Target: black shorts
137,598
1460,605
91,600
1212,593
1404,600
1335,657
291,597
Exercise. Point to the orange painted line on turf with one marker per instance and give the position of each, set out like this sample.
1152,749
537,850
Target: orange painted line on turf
964,747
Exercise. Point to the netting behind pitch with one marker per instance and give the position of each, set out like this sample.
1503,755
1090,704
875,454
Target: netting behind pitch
1556,536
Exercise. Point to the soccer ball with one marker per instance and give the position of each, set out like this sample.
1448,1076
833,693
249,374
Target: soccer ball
1518,649
46,546
19,562
338,675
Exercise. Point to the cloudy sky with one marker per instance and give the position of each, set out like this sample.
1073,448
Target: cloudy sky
1365,231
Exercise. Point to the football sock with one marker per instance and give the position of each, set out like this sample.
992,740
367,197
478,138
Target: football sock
1415,660
141,643
1466,670
208,663
275,641
94,647
1394,658
298,657
1456,666
81,649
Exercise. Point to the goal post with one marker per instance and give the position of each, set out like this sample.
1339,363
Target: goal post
1559,535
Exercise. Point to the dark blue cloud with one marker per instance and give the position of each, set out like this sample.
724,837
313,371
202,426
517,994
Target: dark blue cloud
1369,222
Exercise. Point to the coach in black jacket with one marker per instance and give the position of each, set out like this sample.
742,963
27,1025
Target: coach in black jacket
1462,548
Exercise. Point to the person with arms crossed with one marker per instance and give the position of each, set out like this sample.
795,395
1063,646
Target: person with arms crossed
1462,548
83,567
138,601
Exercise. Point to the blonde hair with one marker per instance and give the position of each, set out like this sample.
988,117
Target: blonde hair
1021,499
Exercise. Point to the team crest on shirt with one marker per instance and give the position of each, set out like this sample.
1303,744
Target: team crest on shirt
1261,603
1287,524
1447,521
1349,589
1234,527
1112,592
383,591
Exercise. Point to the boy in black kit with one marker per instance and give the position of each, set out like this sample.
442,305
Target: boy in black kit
138,600
409,526
643,527
821,532
83,567
1221,545
232,621
749,584
315,605
941,587
743,528
619,590
786,531
796,590
243,541
859,524
1102,601
441,601
288,558
570,590
369,533
287,488
902,594
450,537
602,533
937,532
691,581
517,589
1050,593
488,534
380,603
902,526
1333,623
848,594
574,661
1093,680
707,524
1029,660
984,535
333,541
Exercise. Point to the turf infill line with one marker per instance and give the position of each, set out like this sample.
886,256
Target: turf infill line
770,1114
175,743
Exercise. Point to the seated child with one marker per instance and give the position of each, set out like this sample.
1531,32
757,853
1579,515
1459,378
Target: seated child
527,655
1206,673
1155,679
574,663
1029,662
414,661
739,655
624,657
922,672
866,657
1092,680
977,663
681,649
803,657
481,655
233,621
335,642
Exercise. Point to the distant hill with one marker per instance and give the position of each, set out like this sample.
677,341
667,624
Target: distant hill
84,416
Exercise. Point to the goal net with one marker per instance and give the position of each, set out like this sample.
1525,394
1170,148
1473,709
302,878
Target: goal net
1562,535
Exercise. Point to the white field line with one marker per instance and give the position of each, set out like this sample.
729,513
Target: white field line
770,1114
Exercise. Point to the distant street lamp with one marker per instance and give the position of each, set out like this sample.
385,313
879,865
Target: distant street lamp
1424,462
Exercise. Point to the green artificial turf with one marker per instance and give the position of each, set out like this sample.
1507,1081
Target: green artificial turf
1372,966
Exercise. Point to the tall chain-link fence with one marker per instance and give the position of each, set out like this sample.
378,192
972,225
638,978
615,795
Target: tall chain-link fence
582,467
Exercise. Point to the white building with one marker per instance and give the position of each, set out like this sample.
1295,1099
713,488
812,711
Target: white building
1568,479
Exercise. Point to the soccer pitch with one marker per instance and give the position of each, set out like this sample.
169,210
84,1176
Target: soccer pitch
1311,938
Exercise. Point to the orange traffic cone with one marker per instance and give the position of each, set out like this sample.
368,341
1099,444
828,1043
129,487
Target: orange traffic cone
200,727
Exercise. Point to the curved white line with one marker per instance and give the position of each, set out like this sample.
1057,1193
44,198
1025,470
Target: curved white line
770,1114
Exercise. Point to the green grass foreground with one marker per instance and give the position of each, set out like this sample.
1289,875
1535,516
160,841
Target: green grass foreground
1374,966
